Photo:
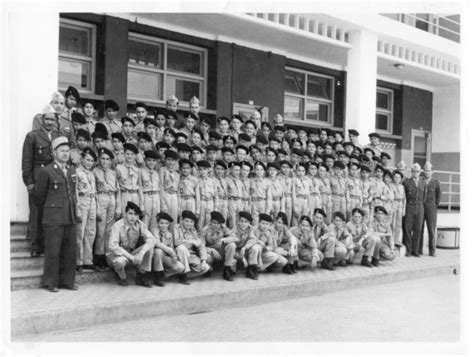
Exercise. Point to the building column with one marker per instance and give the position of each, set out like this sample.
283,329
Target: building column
361,84
31,45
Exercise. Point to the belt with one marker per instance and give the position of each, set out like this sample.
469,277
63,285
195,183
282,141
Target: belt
313,193
187,197
398,199
204,198
91,195
303,196
246,199
288,194
151,193
414,203
234,198
110,193
129,191
325,194
258,199
222,197
339,194
355,196
170,191
276,198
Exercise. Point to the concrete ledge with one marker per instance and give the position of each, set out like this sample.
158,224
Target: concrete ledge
38,311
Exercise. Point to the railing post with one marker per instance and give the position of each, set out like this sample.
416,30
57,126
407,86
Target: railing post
450,190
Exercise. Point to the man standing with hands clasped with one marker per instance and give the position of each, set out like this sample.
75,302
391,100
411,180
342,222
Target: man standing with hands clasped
56,193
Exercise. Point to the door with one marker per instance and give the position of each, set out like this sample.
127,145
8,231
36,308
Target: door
421,146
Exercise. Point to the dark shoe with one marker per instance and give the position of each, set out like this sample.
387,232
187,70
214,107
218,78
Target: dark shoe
327,264
69,286
349,262
158,278
269,269
79,268
287,269
256,270
408,254
90,267
123,282
227,275
342,263
374,262
141,280
35,254
365,262
294,267
52,289
208,273
183,279
250,273
433,254
415,254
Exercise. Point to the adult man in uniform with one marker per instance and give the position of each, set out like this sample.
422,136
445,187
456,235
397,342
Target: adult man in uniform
433,197
56,192
415,196
37,154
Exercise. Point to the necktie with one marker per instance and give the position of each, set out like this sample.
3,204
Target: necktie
64,170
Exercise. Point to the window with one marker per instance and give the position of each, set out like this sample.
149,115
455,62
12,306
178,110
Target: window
76,55
158,68
384,110
308,97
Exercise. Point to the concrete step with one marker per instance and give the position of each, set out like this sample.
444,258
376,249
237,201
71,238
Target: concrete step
18,228
19,245
23,261
39,311
32,279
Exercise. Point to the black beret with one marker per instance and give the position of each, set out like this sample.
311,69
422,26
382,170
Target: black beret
171,115
285,162
266,124
265,217
322,164
340,215
388,173
180,134
348,143
339,164
307,219
246,215
171,154
215,135
379,167
384,154
376,158
357,149
342,152
251,122
82,133
220,163
274,165
89,151
106,152
229,137
149,121
358,210
78,118
169,131
375,135
184,162
141,105
162,145
280,128
353,132
354,164
365,168
246,163
217,216
190,115
161,111
145,136
112,104
165,216
272,150
243,147
131,147
119,136
194,148
319,143
223,119
254,147
183,147
261,139
102,128
195,130
72,91
282,151
238,117
381,209
260,164
274,138
227,149
188,214
130,120
244,137
211,148
354,156
312,163
99,135
364,157
397,172
369,149
234,163
330,132
203,163
297,152
133,206
320,211
151,154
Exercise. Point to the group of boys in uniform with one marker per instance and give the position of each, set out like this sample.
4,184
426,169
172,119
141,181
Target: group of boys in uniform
168,194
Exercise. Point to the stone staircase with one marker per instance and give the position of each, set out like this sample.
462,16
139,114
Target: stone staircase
27,272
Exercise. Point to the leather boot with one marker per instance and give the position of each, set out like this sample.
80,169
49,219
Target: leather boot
287,269
375,262
227,275
158,277
327,264
250,273
365,262
294,267
183,279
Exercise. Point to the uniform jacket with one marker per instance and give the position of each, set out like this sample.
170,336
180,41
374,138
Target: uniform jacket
433,193
57,194
36,154
415,195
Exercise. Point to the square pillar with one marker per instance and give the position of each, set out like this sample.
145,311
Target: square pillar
361,87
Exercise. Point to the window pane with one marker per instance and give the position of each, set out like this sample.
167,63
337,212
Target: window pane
294,82
319,87
381,122
422,21
293,108
420,146
75,40
145,85
317,111
184,89
74,73
146,54
184,61
383,100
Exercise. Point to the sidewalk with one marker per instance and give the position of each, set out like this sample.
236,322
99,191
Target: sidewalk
37,311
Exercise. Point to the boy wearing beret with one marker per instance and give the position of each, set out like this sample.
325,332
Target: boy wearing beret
149,181
110,120
207,193
87,205
222,202
344,247
363,239
234,194
169,179
382,229
339,189
128,178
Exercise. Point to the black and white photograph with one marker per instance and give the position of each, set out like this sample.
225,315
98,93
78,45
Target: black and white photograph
240,177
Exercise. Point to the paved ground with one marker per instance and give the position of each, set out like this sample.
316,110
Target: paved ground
423,310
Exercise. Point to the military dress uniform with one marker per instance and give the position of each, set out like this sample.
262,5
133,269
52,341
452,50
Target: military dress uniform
415,199
260,197
326,243
170,201
245,194
354,194
189,197
266,239
339,194
384,232
246,248
36,155
222,201
112,126
165,258
234,195
149,181
433,197
215,240
278,195
398,210
129,184
301,191
364,240
287,182
87,205
326,197
344,247
62,125
56,192
308,251
208,197
191,250
286,244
